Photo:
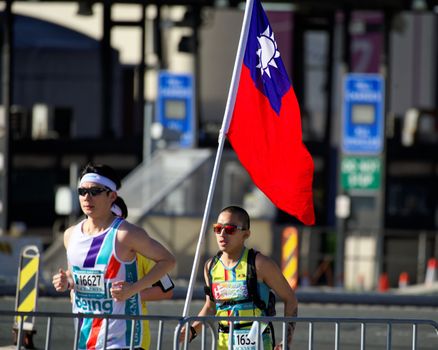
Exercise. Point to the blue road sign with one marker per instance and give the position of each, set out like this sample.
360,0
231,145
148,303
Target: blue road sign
175,106
363,127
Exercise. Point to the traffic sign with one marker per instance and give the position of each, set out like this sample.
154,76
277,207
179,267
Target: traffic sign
363,117
361,173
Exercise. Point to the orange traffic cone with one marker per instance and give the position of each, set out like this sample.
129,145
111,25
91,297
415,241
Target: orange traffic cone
403,280
383,282
431,272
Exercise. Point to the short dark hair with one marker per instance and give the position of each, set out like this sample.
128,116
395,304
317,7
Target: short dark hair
241,213
104,170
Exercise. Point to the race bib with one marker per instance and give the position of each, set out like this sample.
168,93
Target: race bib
89,283
241,341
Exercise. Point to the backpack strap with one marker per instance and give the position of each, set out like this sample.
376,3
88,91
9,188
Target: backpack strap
213,262
252,281
252,288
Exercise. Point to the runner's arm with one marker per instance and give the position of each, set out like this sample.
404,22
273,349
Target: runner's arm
209,308
270,273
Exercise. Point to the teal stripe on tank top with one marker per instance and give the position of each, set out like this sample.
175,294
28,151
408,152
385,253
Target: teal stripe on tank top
85,333
132,306
107,246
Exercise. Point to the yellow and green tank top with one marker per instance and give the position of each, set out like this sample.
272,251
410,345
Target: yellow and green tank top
229,289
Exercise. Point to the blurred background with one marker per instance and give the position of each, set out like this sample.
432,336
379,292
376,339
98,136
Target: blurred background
143,86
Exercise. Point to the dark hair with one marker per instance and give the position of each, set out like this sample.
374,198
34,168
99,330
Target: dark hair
104,170
240,213
122,206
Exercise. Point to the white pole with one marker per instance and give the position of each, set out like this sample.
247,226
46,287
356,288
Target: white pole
225,124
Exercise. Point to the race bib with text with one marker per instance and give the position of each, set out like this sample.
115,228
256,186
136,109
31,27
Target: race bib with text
89,283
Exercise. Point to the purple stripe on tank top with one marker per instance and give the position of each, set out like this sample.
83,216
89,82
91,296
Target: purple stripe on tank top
90,260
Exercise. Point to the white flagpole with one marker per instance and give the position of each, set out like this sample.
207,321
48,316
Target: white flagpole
225,125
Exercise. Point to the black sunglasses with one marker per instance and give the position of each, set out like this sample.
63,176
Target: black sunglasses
229,228
92,191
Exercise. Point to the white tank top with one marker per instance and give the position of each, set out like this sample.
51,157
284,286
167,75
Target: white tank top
95,266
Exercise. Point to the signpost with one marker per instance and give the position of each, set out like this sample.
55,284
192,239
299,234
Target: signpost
361,165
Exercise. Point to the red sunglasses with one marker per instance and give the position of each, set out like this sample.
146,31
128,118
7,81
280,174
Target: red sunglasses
229,228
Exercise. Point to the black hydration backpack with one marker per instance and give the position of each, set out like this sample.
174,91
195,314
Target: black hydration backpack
252,287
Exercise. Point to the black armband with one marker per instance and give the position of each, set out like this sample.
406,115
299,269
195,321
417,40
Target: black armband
207,291
165,283
193,333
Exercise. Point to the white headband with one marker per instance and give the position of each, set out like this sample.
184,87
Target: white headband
116,210
99,179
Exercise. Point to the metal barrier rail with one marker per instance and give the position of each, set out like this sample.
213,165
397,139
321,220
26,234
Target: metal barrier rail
210,322
50,316
311,321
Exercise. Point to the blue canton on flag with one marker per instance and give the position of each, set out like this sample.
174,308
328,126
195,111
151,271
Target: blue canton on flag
263,59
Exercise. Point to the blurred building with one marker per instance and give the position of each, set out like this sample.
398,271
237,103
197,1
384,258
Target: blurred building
84,86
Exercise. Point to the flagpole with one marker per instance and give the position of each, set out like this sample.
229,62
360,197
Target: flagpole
225,125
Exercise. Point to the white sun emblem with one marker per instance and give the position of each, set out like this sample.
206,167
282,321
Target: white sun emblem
267,52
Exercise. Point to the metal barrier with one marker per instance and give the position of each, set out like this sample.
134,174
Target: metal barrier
281,322
427,330
51,317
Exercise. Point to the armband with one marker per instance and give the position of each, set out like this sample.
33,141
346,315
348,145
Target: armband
165,283
207,291
193,333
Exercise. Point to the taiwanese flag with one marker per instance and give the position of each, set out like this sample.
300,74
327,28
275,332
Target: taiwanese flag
265,129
